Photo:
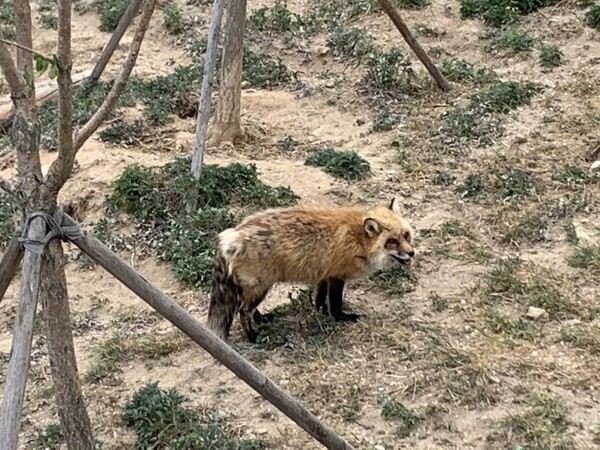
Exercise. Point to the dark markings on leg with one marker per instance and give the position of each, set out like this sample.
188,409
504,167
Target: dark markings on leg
321,296
336,291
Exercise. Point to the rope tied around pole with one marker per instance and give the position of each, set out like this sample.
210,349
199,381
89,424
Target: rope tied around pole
64,232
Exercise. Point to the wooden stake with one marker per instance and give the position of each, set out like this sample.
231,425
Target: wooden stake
9,264
210,63
18,366
207,340
414,45
128,15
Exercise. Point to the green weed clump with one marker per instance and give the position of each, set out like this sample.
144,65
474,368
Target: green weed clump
393,410
123,133
262,71
398,280
157,199
478,120
277,19
550,56
7,20
543,425
8,211
512,40
499,12
592,17
587,257
389,71
110,12
161,421
173,19
460,71
342,164
86,101
348,42
514,280
50,438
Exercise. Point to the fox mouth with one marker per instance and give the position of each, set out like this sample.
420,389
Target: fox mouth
406,260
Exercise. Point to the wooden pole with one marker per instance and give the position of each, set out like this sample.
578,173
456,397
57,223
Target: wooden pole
9,264
128,15
414,45
207,340
18,366
210,63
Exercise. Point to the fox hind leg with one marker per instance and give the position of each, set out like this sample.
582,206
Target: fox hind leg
336,290
321,296
249,313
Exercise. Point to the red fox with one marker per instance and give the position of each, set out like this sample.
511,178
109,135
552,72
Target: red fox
320,246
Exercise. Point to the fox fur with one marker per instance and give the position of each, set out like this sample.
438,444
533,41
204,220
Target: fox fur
320,246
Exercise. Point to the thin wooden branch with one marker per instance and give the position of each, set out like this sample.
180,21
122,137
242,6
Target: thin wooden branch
210,63
65,100
115,38
9,264
18,366
207,340
22,12
60,170
386,5
15,81
27,49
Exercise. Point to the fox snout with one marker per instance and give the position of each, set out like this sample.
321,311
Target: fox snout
404,257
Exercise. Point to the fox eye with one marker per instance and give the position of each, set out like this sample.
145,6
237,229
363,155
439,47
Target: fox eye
406,237
392,242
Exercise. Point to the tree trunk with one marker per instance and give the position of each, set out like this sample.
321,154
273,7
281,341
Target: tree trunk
227,127
54,298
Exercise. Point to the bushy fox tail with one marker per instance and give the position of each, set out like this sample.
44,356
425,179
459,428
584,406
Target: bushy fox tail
225,298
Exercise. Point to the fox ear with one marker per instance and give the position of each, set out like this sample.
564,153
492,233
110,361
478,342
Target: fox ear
372,227
394,206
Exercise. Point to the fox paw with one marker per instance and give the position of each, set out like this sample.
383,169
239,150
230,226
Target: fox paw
346,317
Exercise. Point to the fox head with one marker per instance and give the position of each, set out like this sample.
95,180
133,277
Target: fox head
390,237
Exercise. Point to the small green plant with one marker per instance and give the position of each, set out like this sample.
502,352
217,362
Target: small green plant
348,42
385,119
393,410
50,438
530,229
550,56
173,20
389,70
576,175
123,133
473,186
542,426
443,178
514,280
160,421
398,280
515,183
49,21
439,303
343,164
465,124
592,17
277,19
427,31
7,20
512,328
8,211
584,336
411,4
499,12
587,257
262,71
461,71
504,96
511,39
110,12
455,228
